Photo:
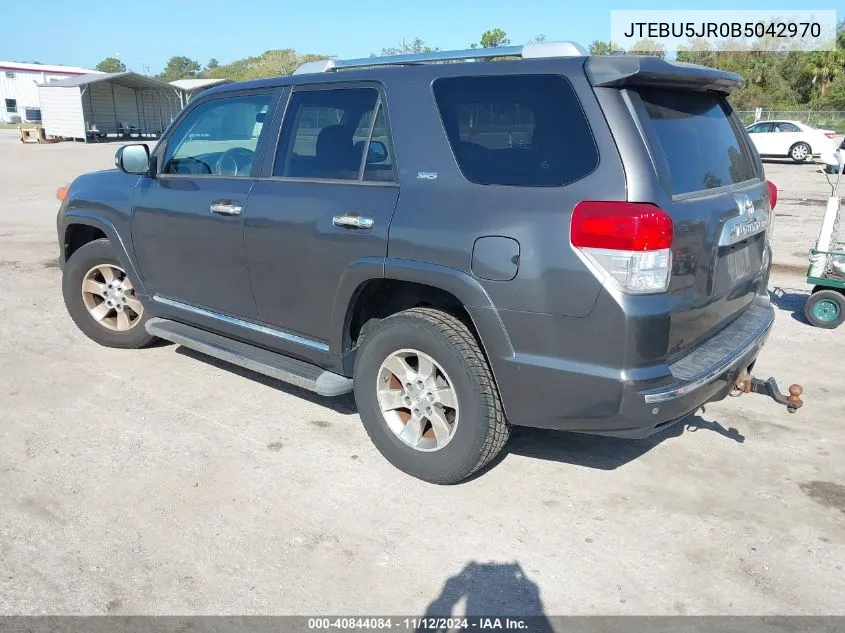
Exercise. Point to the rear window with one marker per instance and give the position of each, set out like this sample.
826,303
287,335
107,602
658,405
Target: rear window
701,145
520,130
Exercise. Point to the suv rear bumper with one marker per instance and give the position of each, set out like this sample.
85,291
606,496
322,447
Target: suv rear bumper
550,392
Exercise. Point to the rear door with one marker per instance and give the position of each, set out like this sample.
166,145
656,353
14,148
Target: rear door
784,136
325,202
717,197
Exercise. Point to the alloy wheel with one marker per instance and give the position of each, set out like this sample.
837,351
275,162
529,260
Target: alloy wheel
110,299
417,400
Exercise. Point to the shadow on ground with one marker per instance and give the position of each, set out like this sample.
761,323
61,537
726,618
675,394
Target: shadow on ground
591,451
603,453
790,301
489,590
344,405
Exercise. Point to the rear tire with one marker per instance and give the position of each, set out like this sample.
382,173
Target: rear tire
800,152
93,282
825,309
475,428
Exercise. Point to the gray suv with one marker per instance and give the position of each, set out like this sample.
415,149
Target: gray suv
550,240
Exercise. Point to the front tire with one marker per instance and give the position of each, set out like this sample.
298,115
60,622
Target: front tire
825,309
800,152
427,397
101,299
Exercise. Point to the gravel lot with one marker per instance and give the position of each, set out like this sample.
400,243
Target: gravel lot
158,481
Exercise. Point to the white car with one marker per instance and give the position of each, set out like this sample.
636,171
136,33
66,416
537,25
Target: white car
794,139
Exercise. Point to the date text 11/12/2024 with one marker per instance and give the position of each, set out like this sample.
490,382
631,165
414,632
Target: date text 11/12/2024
420,623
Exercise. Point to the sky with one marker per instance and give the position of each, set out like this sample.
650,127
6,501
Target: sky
144,35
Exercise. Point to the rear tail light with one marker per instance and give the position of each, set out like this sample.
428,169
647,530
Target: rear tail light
627,241
773,194
830,134
61,193
773,200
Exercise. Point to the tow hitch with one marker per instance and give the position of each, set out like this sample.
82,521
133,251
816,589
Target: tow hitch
748,384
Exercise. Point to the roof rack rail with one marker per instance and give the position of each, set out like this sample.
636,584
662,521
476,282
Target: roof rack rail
533,50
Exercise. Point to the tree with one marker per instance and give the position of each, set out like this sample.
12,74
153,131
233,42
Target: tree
416,45
212,64
180,67
111,65
494,38
274,63
824,67
539,38
603,48
649,48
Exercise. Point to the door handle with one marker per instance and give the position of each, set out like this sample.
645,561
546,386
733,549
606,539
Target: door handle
226,207
353,220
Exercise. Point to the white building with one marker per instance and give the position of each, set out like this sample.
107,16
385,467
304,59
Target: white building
19,82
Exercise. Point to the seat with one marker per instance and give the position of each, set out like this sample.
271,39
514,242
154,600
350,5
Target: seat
336,153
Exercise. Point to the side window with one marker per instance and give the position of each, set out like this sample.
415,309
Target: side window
337,134
379,164
217,138
760,128
788,127
11,106
519,130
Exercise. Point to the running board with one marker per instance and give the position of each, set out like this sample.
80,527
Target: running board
290,370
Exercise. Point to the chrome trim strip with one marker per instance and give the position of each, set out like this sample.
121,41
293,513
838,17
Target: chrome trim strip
263,329
674,392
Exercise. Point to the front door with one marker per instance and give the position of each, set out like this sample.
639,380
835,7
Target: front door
187,223
761,136
327,203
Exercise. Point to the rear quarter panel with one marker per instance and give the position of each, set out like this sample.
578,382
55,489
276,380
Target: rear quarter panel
439,220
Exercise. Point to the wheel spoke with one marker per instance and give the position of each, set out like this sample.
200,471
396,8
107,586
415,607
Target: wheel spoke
134,305
413,431
390,399
99,312
425,368
94,287
440,425
400,368
446,396
122,320
107,273
127,285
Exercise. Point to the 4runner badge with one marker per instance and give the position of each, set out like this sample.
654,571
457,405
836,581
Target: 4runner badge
750,221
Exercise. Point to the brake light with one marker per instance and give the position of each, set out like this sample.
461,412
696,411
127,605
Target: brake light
773,194
61,193
628,241
830,134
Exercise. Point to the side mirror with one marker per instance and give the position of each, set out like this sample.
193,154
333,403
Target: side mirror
377,152
133,159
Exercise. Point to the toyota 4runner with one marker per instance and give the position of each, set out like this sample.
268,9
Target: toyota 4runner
550,239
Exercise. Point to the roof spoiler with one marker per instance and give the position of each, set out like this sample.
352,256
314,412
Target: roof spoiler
631,70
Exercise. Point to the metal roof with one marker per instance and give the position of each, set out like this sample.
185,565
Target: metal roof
45,68
194,84
128,79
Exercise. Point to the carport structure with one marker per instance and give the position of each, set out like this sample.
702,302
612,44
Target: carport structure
98,106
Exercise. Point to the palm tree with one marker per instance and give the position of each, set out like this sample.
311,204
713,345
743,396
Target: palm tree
824,67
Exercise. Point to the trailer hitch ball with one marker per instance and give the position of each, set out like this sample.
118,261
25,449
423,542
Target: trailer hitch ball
747,384
794,398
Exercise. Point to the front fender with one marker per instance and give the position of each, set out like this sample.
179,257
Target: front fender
121,249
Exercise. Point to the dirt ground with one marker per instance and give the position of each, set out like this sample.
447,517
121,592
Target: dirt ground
162,482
